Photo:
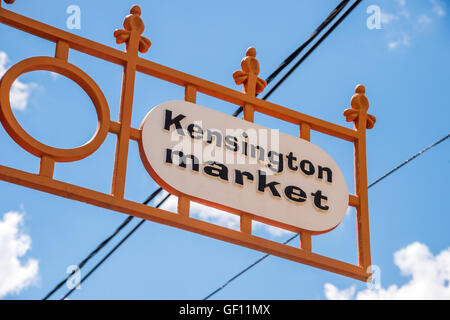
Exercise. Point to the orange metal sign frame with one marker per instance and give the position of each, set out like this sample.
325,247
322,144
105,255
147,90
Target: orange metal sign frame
131,35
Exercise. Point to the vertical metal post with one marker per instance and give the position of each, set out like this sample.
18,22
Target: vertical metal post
361,121
305,237
131,35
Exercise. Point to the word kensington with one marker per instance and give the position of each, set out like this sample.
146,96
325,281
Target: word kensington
241,144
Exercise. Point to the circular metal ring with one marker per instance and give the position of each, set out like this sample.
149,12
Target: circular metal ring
26,141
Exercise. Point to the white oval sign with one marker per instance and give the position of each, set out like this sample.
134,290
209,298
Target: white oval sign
239,166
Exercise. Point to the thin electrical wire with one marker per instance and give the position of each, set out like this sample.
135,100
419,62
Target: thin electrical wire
238,111
117,246
407,161
297,51
237,275
101,245
311,50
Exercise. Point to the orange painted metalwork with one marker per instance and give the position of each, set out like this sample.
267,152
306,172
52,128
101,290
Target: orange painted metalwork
131,35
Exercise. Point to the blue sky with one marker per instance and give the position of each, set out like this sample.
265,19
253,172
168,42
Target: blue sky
406,71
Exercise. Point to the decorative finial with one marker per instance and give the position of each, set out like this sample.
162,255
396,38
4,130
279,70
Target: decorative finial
133,23
249,74
360,104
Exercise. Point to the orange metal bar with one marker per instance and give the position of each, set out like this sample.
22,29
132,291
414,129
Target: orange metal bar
120,163
107,201
305,132
246,224
305,241
135,134
183,205
53,34
249,112
47,166
305,237
362,121
126,103
251,85
114,127
190,93
62,50
353,201
362,210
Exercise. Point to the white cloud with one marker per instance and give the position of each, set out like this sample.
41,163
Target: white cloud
14,244
403,40
20,92
424,19
404,12
216,216
399,36
437,8
429,277
54,75
388,17
401,3
333,293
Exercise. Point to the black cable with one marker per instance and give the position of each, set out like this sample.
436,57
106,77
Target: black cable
296,235
319,29
289,59
238,111
101,245
237,275
412,158
112,251
325,35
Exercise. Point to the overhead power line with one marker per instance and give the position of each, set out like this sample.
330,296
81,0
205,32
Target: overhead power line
272,76
237,275
101,245
410,159
117,246
327,21
240,273
311,50
297,51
